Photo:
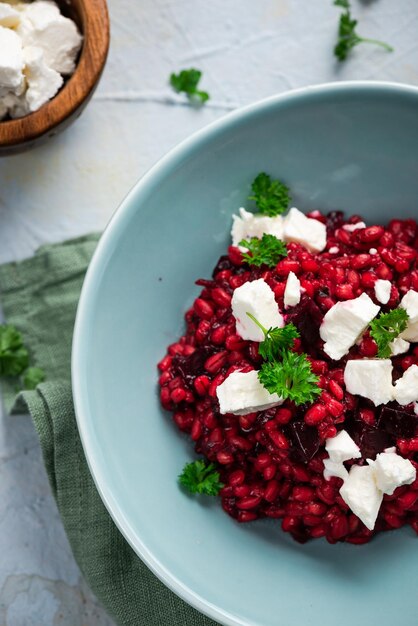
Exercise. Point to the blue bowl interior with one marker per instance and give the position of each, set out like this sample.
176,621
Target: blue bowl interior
351,147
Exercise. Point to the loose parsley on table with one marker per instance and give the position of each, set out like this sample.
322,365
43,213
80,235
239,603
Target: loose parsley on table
265,251
386,328
200,477
187,81
14,358
271,196
347,36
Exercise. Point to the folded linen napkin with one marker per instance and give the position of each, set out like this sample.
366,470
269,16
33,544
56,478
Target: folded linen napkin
39,296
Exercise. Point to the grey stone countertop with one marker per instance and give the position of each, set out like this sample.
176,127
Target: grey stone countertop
247,50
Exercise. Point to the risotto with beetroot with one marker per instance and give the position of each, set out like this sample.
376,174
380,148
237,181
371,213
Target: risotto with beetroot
297,375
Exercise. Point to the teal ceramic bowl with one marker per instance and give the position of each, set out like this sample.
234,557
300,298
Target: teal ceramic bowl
350,146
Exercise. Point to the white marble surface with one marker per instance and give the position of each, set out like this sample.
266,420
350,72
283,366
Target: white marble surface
247,50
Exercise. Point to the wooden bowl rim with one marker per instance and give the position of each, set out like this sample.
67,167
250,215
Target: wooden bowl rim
77,88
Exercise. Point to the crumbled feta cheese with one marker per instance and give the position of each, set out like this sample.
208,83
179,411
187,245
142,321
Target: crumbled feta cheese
242,393
342,448
392,471
382,289
11,60
304,230
352,227
399,346
332,468
406,388
334,250
43,82
43,25
9,17
257,298
372,251
37,44
292,290
410,303
370,378
344,323
247,225
362,495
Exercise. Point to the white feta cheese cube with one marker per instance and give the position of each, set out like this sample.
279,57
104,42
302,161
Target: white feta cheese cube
9,17
292,290
304,230
11,60
410,303
392,471
406,388
344,323
242,393
350,228
342,448
332,468
362,495
382,289
247,225
399,346
257,298
42,25
370,378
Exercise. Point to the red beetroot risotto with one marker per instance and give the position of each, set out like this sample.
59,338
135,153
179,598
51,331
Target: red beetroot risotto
271,462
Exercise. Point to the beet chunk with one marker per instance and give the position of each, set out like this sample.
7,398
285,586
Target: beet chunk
307,317
188,367
397,422
305,439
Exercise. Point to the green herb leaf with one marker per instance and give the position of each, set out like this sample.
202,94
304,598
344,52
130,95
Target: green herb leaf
14,357
199,477
271,196
386,328
32,377
187,81
276,340
292,378
265,251
347,36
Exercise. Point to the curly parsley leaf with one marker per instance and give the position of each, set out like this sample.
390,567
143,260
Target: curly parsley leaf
200,477
187,81
276,340
14,357
347,35
32,377
386,328
265,251
271,196
292,378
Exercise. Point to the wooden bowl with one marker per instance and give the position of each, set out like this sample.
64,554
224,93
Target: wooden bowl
26,132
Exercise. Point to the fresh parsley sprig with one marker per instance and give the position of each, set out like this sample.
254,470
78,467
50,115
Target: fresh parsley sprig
187,81
386,328
271,196
285,372
265,251
291,378
14,358
200,477
276,340
347,35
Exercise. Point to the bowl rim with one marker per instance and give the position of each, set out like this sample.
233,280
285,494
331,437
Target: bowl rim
117,223
94,18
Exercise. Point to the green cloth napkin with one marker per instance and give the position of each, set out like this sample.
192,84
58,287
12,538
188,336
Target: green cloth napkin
39,296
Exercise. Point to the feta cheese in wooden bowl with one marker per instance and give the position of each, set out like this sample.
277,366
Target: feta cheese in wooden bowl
51,57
